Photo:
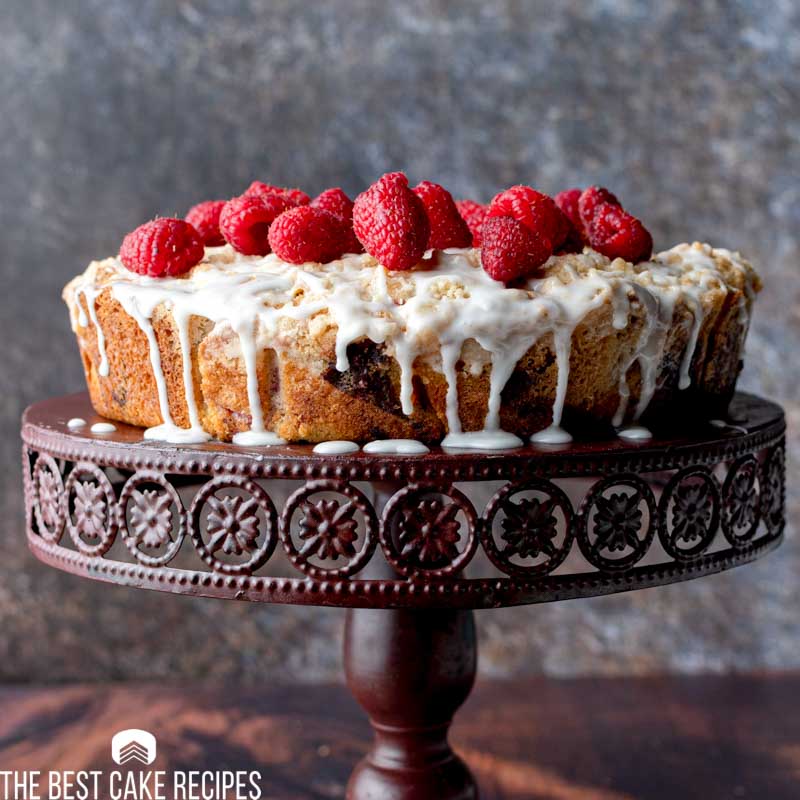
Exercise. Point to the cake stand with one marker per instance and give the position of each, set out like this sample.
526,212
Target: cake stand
410,545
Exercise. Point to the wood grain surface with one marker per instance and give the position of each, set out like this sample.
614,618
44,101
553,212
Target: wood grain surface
592,739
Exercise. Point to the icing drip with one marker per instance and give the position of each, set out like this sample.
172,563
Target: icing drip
396,447
482,440
76,422
90,295
103,427
335,448
554,434
634,433
447,314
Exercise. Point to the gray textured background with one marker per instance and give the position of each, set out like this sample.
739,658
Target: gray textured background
114,111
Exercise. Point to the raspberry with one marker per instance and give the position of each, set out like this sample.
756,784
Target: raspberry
163,247
245,221
511,250
339,204
306,234
536,211
590,200
617,234
567,201
205,218
448,228
297,197
390,221
473,214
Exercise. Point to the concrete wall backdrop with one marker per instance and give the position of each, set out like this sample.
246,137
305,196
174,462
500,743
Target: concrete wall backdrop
112,111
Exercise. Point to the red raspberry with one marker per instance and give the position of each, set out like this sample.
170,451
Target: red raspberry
590,200
390,221
245,221
448,228
308,234
511,250
339,204
205,218
536,211
163,247
297,197
617,234
567,201
473,214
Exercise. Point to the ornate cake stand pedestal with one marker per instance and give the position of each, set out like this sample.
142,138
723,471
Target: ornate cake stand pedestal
410,545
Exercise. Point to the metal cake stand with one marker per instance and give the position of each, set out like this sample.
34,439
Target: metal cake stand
409,545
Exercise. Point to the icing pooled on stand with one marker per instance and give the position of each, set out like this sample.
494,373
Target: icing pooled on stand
447,314
103,427
76,422
335,448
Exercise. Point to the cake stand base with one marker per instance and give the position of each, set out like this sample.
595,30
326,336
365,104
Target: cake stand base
410,670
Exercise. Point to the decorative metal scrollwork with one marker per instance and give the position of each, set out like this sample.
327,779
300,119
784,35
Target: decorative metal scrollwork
50,505
233,525
741,506
422,531
336,533
689,513
613,532
535,528
91,509
152,518
773,489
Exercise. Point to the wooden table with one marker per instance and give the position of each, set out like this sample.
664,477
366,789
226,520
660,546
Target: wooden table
591,739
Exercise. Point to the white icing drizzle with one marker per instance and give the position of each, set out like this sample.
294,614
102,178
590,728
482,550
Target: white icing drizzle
634,433
553,434
335,448
447,313
90,293
103,427
723,425
482,440
396,447
76,422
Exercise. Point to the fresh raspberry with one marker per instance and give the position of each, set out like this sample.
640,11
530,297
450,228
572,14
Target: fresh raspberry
339,204
297,197
448,228
590,200
205,218
567,201
163,247
473,214
390,221
617,234
511,250
245,221
536,211
308,234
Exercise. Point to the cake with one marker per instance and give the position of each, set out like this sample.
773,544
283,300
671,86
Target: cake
258,349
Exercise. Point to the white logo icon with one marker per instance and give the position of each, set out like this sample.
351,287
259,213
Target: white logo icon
133,745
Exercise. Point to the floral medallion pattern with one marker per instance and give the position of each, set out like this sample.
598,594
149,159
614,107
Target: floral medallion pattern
422,532
233,525
689,513
612,530
534,533
772,489
329,529
741,508
152,518
49,498
91,509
